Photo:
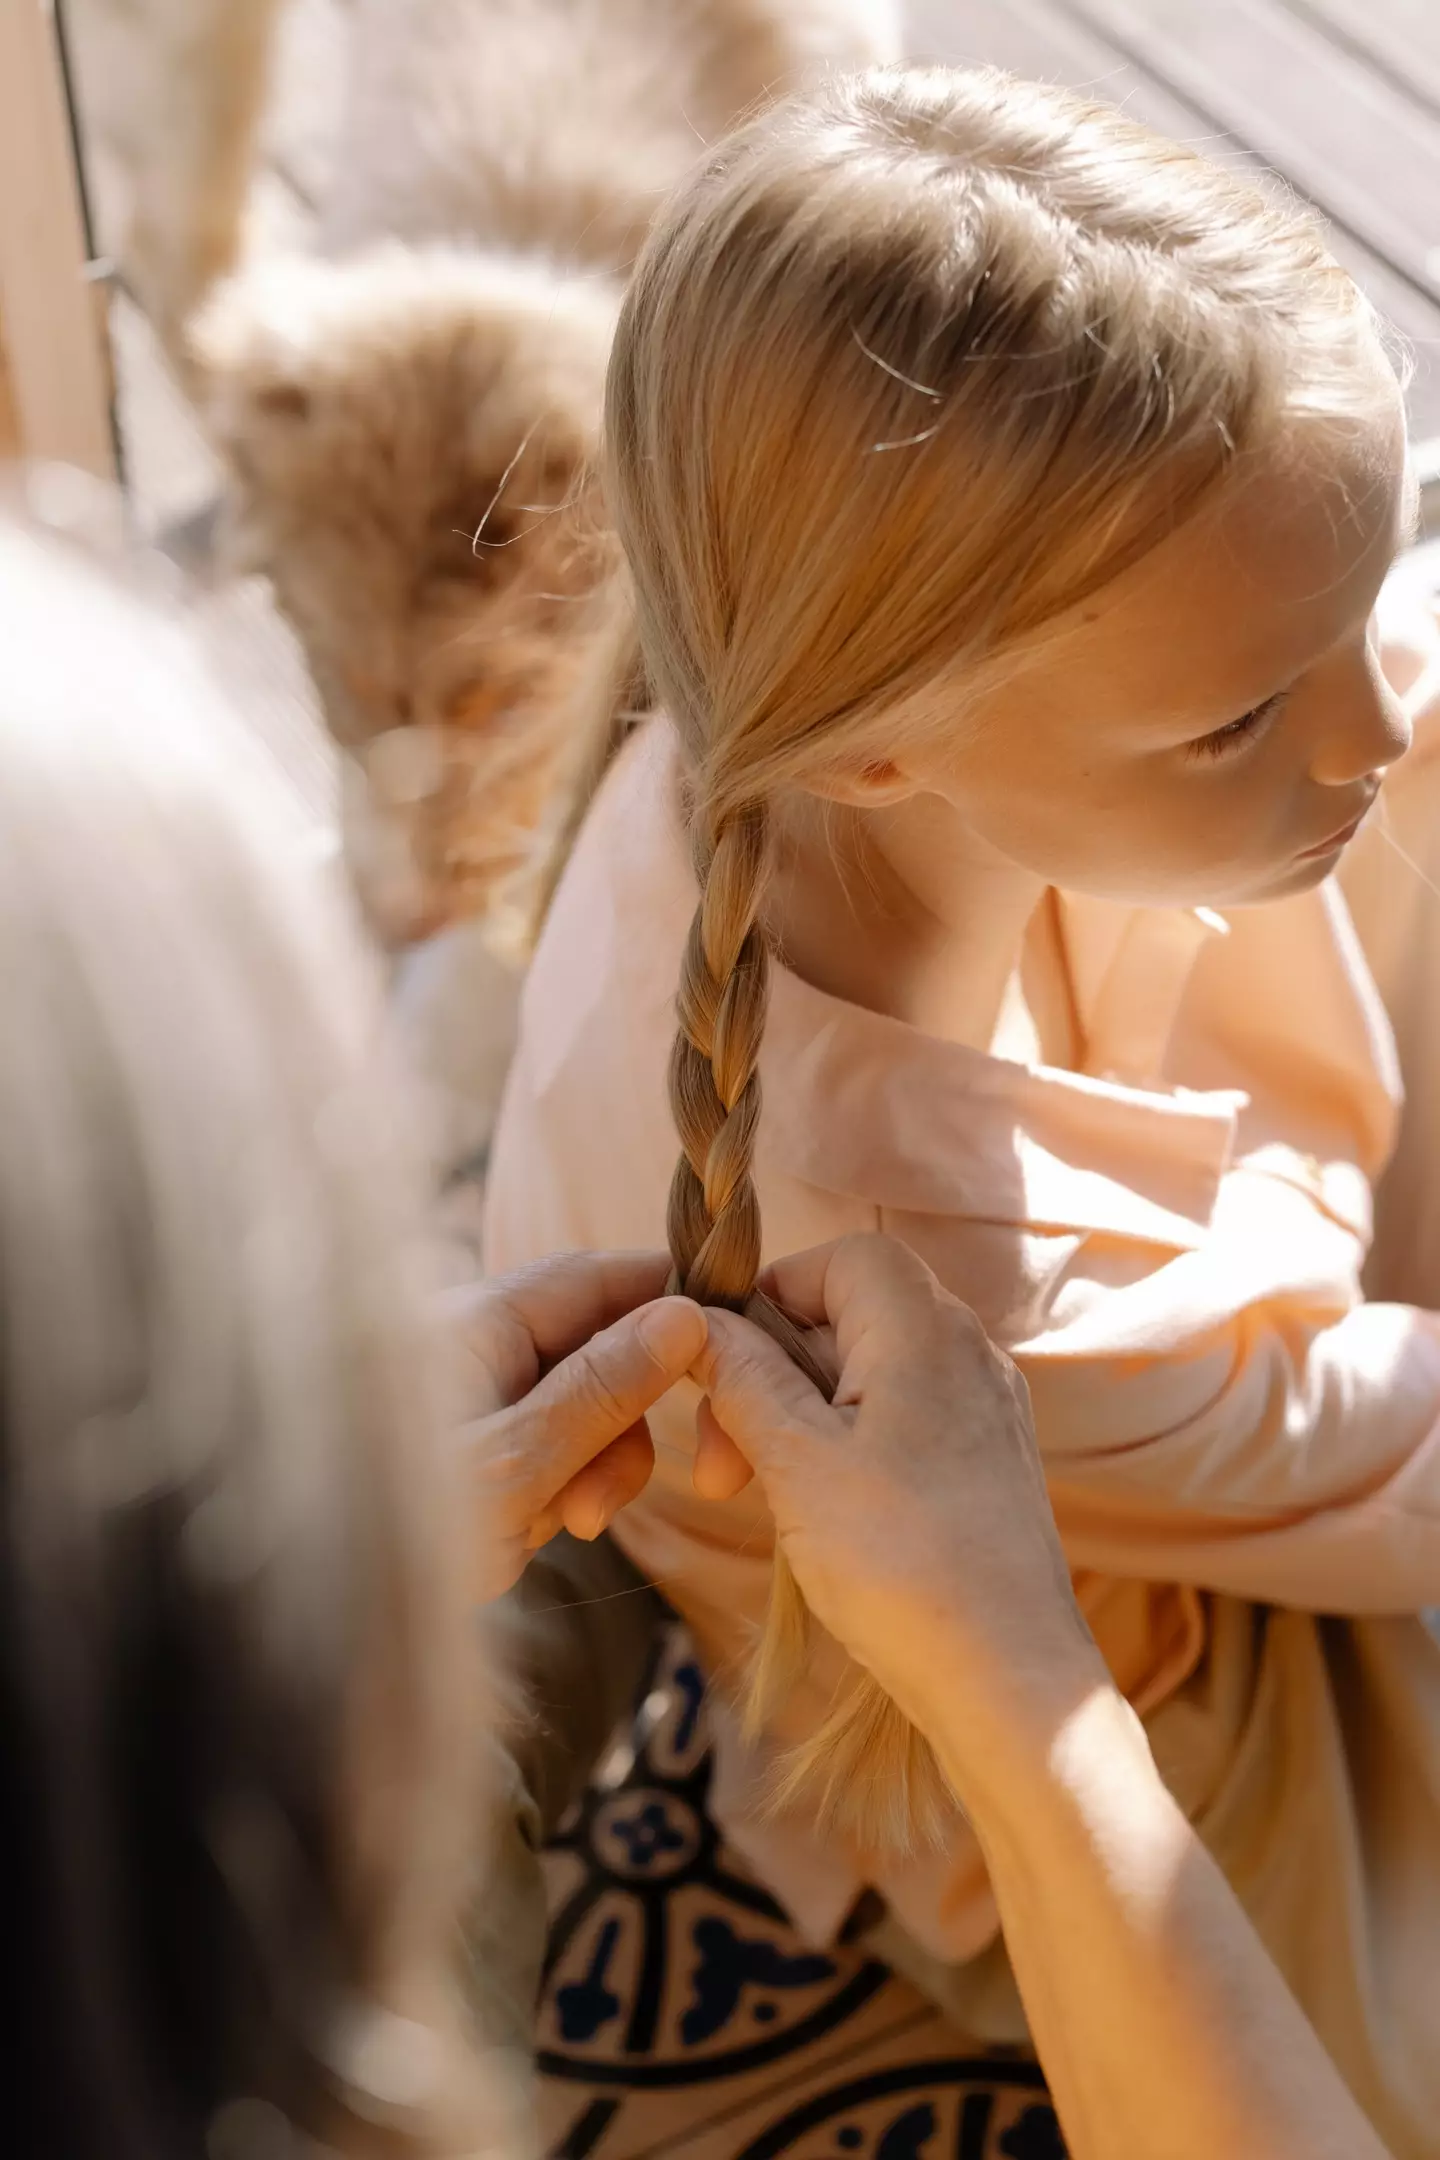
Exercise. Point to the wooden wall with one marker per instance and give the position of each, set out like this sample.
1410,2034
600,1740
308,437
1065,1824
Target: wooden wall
54,367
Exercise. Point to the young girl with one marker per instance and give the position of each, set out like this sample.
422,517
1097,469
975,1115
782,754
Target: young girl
1008,493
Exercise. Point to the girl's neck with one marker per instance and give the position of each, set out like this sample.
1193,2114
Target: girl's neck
904,911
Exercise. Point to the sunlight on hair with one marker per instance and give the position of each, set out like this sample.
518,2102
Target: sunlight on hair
1071,331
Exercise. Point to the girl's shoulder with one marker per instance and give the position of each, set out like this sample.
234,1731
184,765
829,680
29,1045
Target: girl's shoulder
597,1011
621,911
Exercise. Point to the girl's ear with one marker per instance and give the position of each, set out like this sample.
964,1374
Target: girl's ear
865,786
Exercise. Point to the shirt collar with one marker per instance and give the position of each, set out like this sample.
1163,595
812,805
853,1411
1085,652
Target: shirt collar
1130,968
862,1104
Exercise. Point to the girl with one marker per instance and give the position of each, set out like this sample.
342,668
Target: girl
1007,494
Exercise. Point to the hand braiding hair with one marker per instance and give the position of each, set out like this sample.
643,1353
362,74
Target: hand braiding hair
877,1774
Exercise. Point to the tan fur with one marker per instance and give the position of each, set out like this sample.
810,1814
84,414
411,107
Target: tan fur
379,408
370,414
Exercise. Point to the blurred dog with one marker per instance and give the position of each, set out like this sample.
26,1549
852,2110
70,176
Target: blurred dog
409,422
407,437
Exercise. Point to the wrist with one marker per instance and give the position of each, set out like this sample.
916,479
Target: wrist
1068,1772
1006,1716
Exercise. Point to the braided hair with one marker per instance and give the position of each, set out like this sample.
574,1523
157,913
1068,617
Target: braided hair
910,367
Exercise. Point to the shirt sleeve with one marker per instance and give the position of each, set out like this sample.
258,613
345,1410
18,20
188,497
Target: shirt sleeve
1248,1427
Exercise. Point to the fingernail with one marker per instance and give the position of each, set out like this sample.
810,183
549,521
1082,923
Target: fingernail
673,1331
592,1519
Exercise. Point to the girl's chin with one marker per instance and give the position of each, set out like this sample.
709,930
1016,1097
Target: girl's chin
1227,886
1300,874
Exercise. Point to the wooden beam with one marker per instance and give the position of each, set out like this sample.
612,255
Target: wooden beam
51,320
1368,156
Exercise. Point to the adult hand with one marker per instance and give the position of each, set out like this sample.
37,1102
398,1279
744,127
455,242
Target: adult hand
912,1508
913,1511
567,1357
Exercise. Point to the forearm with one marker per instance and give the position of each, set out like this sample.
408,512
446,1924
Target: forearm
1162,2025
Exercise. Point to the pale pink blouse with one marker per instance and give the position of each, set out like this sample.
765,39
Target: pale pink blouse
1170,1240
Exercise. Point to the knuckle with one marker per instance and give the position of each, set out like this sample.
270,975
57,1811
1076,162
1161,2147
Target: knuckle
479,1319
961,1324
857,1256
597,1387
870,1255
951,1337
504,1452
890,1275
500,1357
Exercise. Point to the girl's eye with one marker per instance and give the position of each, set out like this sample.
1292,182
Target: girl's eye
1235,733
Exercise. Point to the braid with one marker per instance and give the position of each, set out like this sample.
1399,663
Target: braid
875,1773
714,1221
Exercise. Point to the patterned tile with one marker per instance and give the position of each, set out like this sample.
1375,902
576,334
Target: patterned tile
914,2100
681,2015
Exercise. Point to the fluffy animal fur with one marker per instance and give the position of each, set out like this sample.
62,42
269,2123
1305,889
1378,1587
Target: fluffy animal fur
407,439
409,421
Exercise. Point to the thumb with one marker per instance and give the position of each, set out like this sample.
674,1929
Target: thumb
599,1392
755,1390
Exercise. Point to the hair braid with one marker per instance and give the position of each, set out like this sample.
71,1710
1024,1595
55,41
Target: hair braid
714,1221
875,1772
1071,334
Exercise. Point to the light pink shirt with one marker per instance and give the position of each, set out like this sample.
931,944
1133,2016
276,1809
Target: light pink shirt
1169,1239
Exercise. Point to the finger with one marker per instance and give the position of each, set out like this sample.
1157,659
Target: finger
522,1322
546,1525
720,1470
589,1400
797,1284
755,1390
812,1285
867,1286
596,1494
565,1300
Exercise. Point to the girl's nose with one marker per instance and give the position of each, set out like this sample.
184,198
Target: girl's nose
1369,728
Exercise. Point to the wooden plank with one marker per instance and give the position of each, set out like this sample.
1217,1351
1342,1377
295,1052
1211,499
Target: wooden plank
1047,42
1037,39
50,312
1399,39
1368,157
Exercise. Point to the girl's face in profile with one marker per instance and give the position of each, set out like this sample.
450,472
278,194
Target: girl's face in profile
1212,727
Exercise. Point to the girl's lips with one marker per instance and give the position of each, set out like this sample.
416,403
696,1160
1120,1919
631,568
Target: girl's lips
1336,839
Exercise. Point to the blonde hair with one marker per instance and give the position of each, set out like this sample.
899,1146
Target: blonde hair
226,1502
906,370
